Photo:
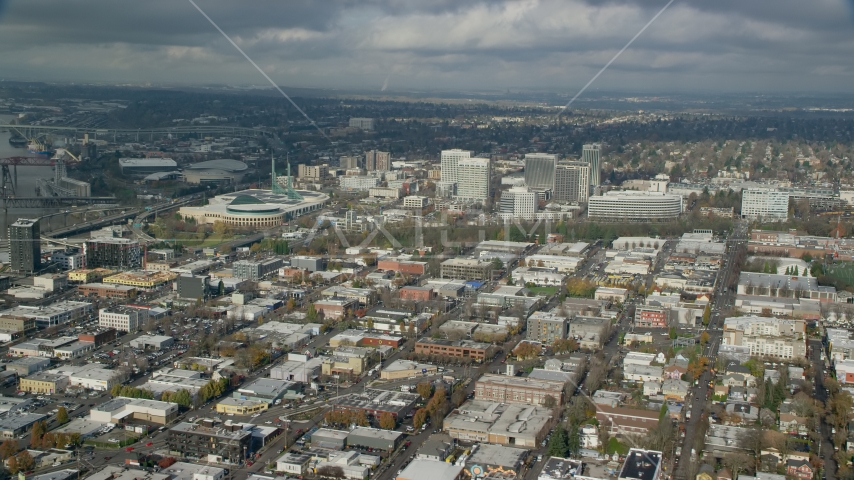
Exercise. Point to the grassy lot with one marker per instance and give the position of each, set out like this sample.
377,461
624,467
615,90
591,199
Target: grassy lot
843,271
545,291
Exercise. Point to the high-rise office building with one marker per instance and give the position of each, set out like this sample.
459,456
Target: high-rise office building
25,249
450,159
519,201
473,179
117,253
348,161
376,160
591,153
540,170
572,182
362,123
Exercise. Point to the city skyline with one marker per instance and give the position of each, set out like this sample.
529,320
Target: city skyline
386,46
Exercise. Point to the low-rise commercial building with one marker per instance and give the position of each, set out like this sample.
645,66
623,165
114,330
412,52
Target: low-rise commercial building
499,423
477,351
43,382
118,409
123,319
107,291
236,406
403,368
466,268
209,440
377,402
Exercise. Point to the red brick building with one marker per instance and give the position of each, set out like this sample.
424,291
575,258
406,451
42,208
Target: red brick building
477,351
403,266
418,294
99,337
335,307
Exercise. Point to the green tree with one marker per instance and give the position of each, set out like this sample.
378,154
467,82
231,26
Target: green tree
573,441
707,315
557,444
221,289
62,415
311,313
672,333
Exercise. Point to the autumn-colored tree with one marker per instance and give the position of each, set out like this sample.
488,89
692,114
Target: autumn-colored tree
8,449
62,415
564,345
419,418
25,461
49,440
166,462
387,421
36,434
291,305
425,389
526,350
704,338
12,465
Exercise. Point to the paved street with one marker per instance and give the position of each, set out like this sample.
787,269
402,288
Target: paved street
723,298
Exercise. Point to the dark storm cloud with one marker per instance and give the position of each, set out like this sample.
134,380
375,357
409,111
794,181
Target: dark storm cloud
719,45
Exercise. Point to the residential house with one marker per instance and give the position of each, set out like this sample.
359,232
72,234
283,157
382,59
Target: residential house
793,424
800,469
675,370
706,472
651,388
674,389
741,413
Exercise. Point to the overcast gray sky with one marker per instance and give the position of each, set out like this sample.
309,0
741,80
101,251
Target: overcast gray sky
696,45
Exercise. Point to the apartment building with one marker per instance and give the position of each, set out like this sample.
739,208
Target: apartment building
209,439
254,271
546,327
767,337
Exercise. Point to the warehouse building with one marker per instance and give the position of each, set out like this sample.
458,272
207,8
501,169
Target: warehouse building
215,171
376,402
365,437
154,342
12,426
499,423
144,166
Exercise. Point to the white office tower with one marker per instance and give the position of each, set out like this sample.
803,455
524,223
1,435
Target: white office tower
473,179
765,203
540,170
572,182
591,153
519,201
450,159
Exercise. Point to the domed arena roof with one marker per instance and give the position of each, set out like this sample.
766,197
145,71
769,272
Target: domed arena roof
246,200
226,164
247,204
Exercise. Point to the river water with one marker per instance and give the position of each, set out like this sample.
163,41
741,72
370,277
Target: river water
27,180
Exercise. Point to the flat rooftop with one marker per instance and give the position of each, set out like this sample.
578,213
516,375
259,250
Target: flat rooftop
641,465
